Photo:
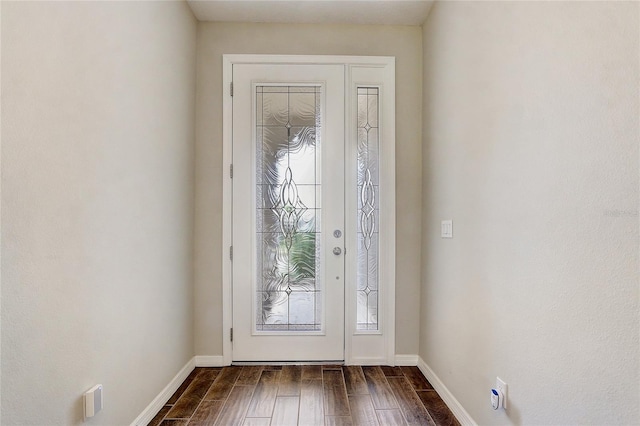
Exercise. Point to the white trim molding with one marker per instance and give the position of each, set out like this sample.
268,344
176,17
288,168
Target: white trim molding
159,401
227,201
454,405
367,361
374,71
361,346
211,361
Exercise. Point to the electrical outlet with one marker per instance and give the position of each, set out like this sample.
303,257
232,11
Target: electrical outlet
93,401
502,387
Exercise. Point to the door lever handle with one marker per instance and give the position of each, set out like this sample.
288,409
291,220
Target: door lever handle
337,251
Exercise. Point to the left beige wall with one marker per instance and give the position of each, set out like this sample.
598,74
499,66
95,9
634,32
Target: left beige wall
97,205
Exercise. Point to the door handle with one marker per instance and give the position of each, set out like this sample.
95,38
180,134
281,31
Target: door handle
337,251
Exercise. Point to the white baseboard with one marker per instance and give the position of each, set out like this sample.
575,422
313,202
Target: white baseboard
210,361
218,360
411,360
158,402
361,360
456,408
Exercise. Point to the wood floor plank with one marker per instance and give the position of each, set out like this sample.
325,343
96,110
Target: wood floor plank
354,380
285,413
338,421
264,396
207,375
379,389
184,408
336,402
391,371
174,422
332,366
249,375
311,403
207,413
160,416
224,383
183,387
235,408
411,406
257,421
391,417
362,411
416,378
311,372
290,380
186,405
438,410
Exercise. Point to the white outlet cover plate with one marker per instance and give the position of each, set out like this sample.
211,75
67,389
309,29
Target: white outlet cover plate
93,401
502,387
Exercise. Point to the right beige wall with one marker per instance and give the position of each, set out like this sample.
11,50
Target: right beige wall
531,131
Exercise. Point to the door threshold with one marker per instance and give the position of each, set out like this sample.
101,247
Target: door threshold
340,362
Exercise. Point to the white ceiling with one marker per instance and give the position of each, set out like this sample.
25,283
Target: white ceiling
385,12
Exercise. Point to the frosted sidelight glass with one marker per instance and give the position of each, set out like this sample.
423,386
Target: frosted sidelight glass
368,208
288,208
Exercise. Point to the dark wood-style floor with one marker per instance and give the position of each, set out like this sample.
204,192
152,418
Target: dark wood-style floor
305,395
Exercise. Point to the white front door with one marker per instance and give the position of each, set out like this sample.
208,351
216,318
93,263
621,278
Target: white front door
288,273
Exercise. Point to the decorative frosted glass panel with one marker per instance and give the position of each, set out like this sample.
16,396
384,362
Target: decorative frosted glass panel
368,208
288,208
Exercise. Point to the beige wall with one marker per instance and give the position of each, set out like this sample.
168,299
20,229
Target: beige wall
531,126
216,39
98,110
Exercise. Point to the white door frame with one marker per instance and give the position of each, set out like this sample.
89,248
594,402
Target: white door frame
360,347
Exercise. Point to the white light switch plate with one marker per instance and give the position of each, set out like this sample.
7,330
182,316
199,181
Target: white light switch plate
446,229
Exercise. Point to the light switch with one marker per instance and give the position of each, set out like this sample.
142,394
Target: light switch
446,229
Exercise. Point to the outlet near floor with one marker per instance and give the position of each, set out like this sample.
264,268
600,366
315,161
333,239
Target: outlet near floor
502,387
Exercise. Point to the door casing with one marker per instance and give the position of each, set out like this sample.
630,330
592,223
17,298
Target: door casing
361,347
